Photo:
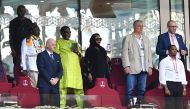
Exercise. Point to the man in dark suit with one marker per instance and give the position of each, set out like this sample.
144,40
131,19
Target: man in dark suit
50,72
171,38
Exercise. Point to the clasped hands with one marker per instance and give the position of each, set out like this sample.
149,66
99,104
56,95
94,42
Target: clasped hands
183,52
54,81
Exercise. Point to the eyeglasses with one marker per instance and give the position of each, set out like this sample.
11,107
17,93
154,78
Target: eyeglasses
172,26
98,39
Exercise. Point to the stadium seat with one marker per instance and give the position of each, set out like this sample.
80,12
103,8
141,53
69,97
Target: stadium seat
117,78
102,95
4,76
5,86
156,96
28,97
187,97
117,75
152,80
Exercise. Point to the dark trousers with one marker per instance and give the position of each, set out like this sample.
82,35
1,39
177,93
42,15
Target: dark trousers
17,68
49,98
175,99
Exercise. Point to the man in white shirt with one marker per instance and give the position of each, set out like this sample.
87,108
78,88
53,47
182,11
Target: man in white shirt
31,46
172,77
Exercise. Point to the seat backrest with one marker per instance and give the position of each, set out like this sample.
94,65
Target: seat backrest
4,76
117,75
24,81
156,96
104,94
5,87
28,97
116,61
152,80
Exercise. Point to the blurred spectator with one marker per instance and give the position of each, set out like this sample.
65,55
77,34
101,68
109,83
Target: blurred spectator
96,61
30,47
19,29
70,56
137,62
172,77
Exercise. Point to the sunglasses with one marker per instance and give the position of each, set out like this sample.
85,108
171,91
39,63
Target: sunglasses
67,31
98,39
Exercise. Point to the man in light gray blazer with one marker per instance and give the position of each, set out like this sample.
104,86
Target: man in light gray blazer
137,62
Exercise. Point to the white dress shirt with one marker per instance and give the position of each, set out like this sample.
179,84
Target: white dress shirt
141,44
171,70
49,53
29,55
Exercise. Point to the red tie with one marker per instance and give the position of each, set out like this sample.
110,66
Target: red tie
172,37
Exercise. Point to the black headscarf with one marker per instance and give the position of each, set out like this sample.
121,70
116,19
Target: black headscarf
93,40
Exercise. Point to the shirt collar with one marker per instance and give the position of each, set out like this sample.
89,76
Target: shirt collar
138,38
171,58
49,52
170,34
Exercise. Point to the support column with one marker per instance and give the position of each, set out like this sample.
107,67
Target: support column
186,32
164,15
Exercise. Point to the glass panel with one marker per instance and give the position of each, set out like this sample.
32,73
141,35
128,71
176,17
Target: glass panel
50,15
177,14
114,19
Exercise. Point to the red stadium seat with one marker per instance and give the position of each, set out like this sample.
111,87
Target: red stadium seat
153,80
121,90
156,96
102,95
187,97
28,97
5,86
117,78
117,75
4,76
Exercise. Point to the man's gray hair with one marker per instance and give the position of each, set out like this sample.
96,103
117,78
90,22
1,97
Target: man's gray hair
137,21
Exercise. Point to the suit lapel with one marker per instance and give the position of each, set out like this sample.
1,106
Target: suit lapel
51,61
145,43
49,58
167,40
178,40
135,44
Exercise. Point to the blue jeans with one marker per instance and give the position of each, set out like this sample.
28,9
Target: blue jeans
131,80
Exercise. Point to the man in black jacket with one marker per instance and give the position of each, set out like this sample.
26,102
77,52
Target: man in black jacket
19,29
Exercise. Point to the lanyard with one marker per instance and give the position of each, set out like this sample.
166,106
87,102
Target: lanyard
175,65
